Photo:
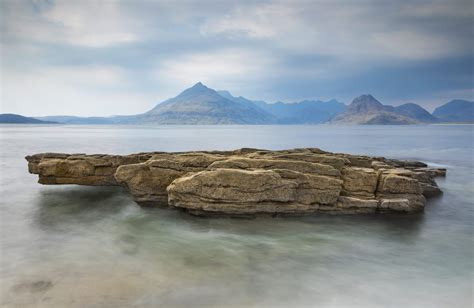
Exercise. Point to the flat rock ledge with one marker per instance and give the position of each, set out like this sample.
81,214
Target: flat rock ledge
248,182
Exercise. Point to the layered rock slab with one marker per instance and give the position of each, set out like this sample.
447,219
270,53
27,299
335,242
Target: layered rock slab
251,181
81,169
235,191
147,182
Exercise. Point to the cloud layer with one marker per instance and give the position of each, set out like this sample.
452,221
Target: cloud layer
123,57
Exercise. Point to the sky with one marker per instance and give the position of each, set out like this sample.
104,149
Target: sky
114,57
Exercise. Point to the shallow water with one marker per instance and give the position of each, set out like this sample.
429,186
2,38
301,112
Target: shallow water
93,247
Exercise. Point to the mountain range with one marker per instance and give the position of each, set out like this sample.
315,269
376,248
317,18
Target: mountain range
304,112
202,105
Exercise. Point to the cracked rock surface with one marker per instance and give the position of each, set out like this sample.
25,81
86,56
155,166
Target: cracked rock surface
251,181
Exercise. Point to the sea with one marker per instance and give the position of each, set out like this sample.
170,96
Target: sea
78,246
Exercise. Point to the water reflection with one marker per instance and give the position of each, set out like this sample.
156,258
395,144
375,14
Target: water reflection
63,207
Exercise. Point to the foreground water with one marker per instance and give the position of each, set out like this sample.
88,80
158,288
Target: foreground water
64,246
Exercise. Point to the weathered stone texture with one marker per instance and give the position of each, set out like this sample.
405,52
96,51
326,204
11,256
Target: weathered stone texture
251,181
359,181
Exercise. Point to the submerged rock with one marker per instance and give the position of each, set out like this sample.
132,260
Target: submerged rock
251,181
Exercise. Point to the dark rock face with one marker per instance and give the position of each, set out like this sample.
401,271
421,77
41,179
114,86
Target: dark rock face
251,181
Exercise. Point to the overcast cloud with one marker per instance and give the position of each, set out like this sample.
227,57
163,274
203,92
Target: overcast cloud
123,57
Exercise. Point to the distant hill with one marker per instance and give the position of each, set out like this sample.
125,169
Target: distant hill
365,109
11,118
460,111
76,120
202,105
416,112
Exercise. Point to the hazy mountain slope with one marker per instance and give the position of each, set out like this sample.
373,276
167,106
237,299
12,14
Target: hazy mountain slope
202,105
365,109
11,118
304,112
240,99
76,120
456,111
416,112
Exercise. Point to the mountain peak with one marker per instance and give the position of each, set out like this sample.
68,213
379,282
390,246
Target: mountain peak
365,98
197,89
198,85
202,105
365,103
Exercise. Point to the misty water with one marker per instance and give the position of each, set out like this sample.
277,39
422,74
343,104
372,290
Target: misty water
64,246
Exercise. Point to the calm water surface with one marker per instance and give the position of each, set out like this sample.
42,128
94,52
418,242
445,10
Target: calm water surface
71,246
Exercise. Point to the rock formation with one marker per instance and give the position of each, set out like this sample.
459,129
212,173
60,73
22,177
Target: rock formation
251,181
